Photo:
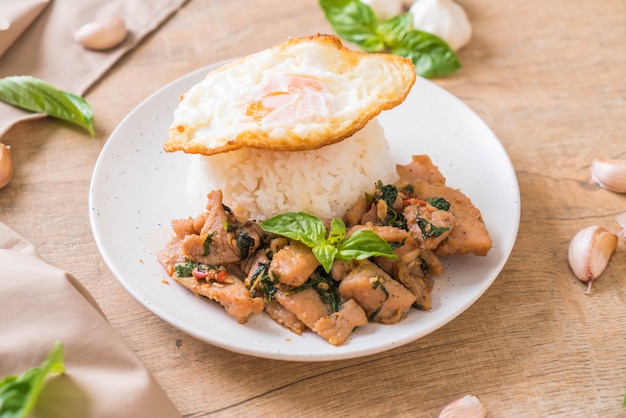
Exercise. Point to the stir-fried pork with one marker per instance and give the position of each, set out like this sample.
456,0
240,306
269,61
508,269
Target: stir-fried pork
469,234
293,264
306,305
388,233
383,298
337,327
216,237
421,168
428,225
233,262
284,317
231,293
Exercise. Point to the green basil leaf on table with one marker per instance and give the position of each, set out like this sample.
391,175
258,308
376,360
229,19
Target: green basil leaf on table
430,54
19,394
356,22
32,94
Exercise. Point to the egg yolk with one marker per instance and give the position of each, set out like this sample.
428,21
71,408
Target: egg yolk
289,97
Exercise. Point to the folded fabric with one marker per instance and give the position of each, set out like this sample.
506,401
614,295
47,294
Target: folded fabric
45,47
15,17
40,304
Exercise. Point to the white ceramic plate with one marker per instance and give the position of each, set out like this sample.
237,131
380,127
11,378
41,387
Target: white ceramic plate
137,189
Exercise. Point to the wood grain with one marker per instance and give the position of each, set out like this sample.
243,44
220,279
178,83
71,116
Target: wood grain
548,77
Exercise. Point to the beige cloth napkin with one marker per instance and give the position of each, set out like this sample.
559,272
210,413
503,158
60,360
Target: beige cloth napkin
16,16
42,44
40,304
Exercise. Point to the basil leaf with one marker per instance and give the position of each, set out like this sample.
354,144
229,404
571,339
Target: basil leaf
337,232
325,254
439,203
30,93
18,394
430,54
300,226
355,22
364,244
392,31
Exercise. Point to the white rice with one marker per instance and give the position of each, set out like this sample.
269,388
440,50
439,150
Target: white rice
325,182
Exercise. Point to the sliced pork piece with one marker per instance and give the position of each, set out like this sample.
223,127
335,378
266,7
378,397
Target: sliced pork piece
384,299
284,317
412,269
340,268
421,168
231,293
189,226
356,212
293,264
337,327
469,234
428,225
223,238
420,286
171,256
387,233
306,304
251,265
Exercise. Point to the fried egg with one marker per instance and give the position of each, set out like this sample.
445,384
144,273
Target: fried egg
302,94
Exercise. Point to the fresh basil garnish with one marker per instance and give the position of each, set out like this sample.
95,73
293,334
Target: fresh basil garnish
356,22
19,394
311,231
30,93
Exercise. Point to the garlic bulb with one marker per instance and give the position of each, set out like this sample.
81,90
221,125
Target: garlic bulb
469,406
610,174
103,34
590,251
444,18
385,9
6,165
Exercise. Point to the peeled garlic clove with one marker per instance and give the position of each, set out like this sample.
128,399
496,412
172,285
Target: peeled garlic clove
621,220
385,9
443,18
102,34
6,165
590,251
469,406
609,173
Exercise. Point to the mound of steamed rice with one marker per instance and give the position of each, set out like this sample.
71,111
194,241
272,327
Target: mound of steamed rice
325,182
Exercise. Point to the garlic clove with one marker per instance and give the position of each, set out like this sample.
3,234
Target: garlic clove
590,251
6,165
102,34
443,18
469,406
621,236
609,174
385,9
621,220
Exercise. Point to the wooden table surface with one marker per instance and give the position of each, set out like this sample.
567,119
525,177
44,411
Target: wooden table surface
549,77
